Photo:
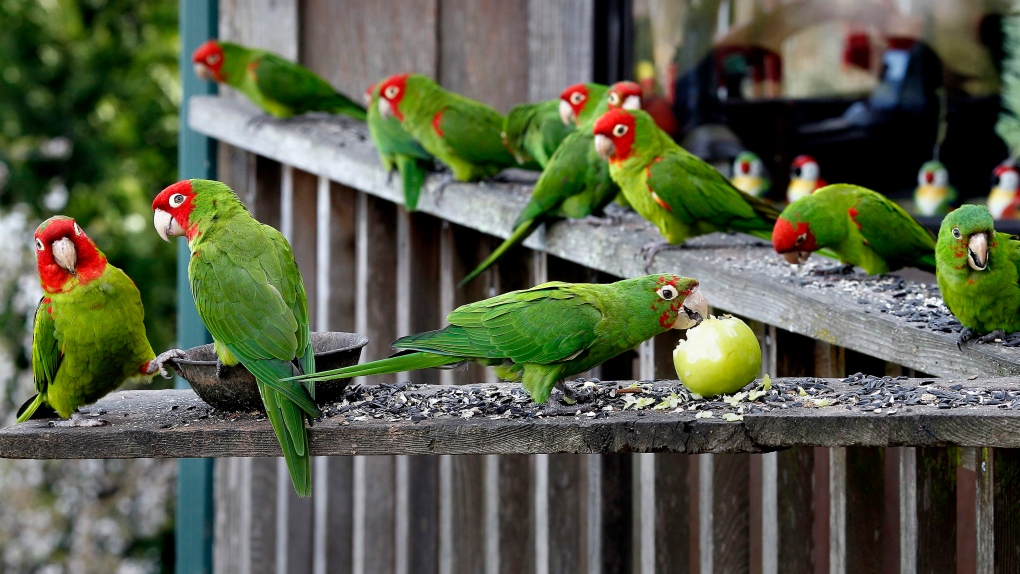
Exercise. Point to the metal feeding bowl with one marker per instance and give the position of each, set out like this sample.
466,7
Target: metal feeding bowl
235,388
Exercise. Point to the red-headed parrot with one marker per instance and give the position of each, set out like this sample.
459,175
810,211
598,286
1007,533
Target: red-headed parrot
89,337
860,226
1004,200
398,150
540,336
681,194
978,271
458,131
250,295
278,86
933,195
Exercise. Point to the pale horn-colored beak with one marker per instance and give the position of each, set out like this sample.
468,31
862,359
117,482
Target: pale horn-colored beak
632,103
977,251
65,254
796,257
203,72
385,109
693,311
604,146
165,224
567,113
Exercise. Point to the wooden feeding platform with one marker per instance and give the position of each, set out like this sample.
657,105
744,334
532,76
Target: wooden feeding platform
611,417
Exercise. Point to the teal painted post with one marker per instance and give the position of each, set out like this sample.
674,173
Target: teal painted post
196,158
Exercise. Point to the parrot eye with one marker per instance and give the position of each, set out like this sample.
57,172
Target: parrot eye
619,130
391,92
176,200
614,99
576,98
39,244
801,238
667,292
77,230
956,233
213,59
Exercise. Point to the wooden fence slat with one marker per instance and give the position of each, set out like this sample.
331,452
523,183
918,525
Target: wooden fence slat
560,46
795,509
374,512
936,509
730,519
267,24
516,515
865,489
1006,478
338,491
672,513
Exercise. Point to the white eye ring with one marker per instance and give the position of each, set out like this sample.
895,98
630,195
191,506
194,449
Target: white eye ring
176,200
614,99
576,98
619,130
77,230
801,238
956,233
39,244
213,59
667,292
391,92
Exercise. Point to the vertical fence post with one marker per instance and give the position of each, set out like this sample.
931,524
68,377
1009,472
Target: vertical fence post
193,538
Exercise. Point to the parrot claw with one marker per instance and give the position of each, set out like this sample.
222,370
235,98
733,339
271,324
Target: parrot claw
651,249
965,335
994,336
159,363
445,179
604,220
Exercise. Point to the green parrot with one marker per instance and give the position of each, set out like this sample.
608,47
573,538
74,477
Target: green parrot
861,227
532,132
278,86
540,336
682,195
576,182
398,150
89,338
460,132
978,271
250,296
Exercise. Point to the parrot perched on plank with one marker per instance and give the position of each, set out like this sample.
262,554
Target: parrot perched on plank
532,132
860,226
805,178
540,336
978,273
398,150
89,337
1003,199
749,175
251,298
278,86
460,132
681,194
579,103
576,182
933,196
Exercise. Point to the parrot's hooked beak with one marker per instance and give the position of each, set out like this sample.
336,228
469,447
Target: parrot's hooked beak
632,103
977,251
694,311
604,146
796,257
203,72
567,113
385,109
65,254
165,224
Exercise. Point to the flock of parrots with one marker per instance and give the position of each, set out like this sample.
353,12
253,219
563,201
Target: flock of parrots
593,144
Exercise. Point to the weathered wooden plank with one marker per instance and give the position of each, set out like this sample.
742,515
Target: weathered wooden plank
936,509
374,508
735,277
567,496
338,527
672,513
560,46
355,44
481,60
267,24
865,489
1006,479
795,509
375,295
516,515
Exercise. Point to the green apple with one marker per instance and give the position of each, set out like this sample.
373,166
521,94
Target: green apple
720,356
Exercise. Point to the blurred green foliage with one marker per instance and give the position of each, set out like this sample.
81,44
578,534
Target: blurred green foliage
88,112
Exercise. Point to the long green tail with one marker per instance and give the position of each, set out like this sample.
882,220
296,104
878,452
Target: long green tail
396,364
343,105
520,234
28,409
412,174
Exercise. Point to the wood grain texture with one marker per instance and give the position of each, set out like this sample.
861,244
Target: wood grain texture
516,515
356,44
936,509
865,489
560,46
1006,479
339,149
483,50
672,513
730,517
268,24
568,489
795,509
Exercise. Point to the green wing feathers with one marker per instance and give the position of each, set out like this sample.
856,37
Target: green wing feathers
299,89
